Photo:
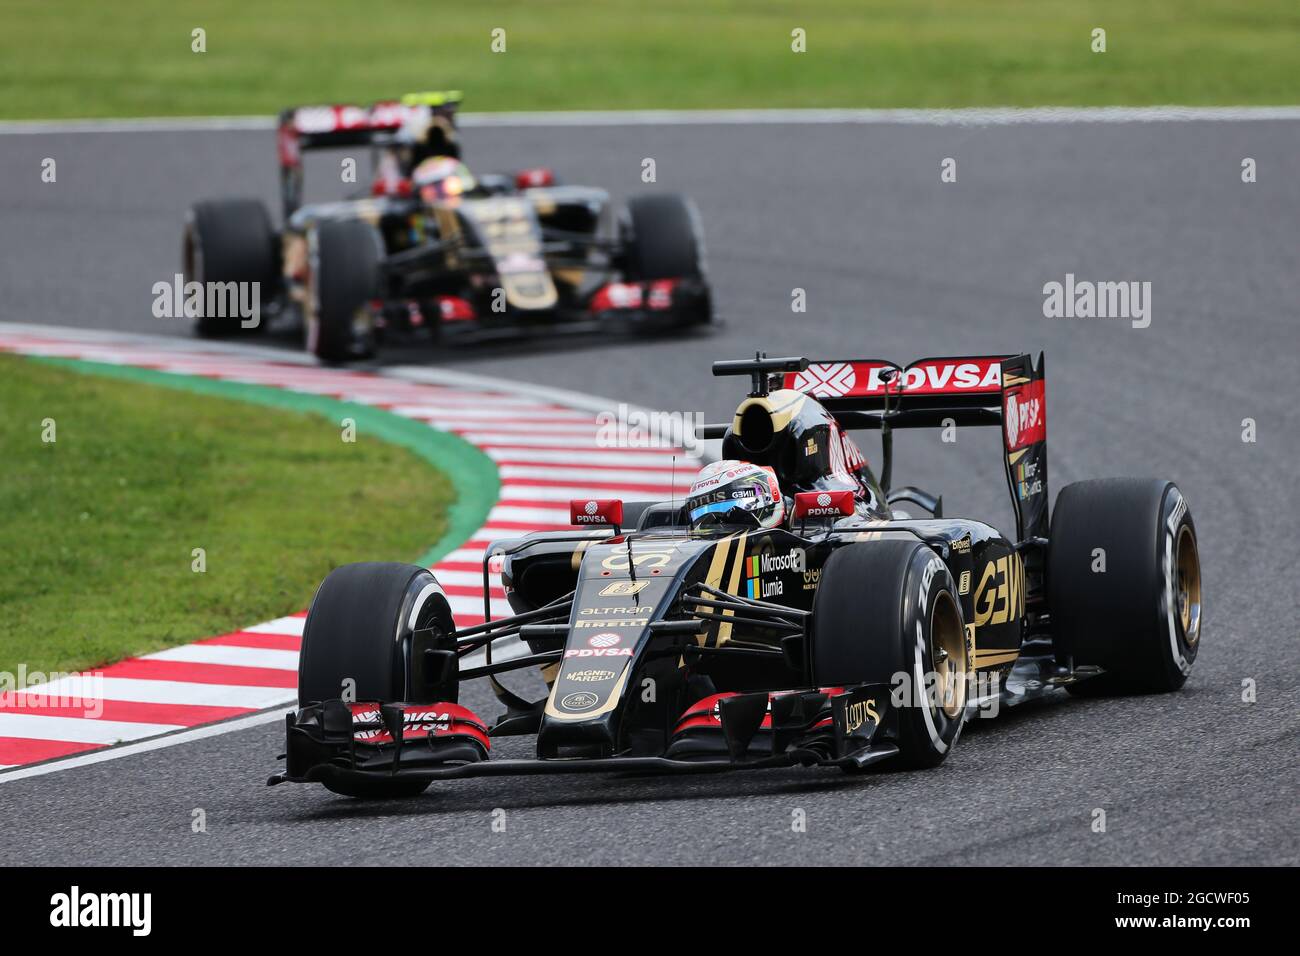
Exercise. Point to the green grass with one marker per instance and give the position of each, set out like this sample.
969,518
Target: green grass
99,526
79,58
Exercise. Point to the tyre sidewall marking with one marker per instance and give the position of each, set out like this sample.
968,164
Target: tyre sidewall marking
1173,513
406,623
932,571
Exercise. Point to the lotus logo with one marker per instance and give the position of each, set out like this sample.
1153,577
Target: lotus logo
823,500
582,700
590,507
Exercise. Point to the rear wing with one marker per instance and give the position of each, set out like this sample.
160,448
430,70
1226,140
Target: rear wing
1003,390
920,395
386,123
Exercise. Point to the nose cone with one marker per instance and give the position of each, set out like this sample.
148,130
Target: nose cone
620,592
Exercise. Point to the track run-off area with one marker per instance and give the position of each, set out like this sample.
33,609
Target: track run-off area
544,453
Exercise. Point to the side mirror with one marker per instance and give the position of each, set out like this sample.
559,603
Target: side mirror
596,511
918,497
823,504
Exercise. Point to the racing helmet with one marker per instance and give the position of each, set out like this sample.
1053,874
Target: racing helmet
736,493
441,177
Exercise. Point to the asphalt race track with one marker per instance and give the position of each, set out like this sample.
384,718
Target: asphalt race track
895,264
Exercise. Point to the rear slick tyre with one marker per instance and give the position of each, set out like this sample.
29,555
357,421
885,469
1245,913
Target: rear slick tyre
1124,584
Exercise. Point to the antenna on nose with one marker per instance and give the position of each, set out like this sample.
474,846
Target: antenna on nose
672,490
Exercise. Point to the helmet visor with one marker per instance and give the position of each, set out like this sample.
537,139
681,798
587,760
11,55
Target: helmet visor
738,503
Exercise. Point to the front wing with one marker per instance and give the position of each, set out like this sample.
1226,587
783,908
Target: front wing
337,741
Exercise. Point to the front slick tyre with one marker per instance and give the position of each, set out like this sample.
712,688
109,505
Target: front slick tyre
229,241
346,259
887,608
1124,584
367,632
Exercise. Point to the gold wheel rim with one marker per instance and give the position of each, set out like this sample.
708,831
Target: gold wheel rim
1187,567
948,653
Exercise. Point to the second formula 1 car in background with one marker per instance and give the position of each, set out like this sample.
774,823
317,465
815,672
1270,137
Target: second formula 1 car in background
428,249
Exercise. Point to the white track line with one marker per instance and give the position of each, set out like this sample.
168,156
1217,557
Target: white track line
473,579
291,626
78,729
515,491
547,456
519,475
465,555
144,746
556,515
139,690
228,654
978,116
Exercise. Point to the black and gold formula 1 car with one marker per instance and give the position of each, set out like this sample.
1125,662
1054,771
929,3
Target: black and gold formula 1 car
428,251
849,635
